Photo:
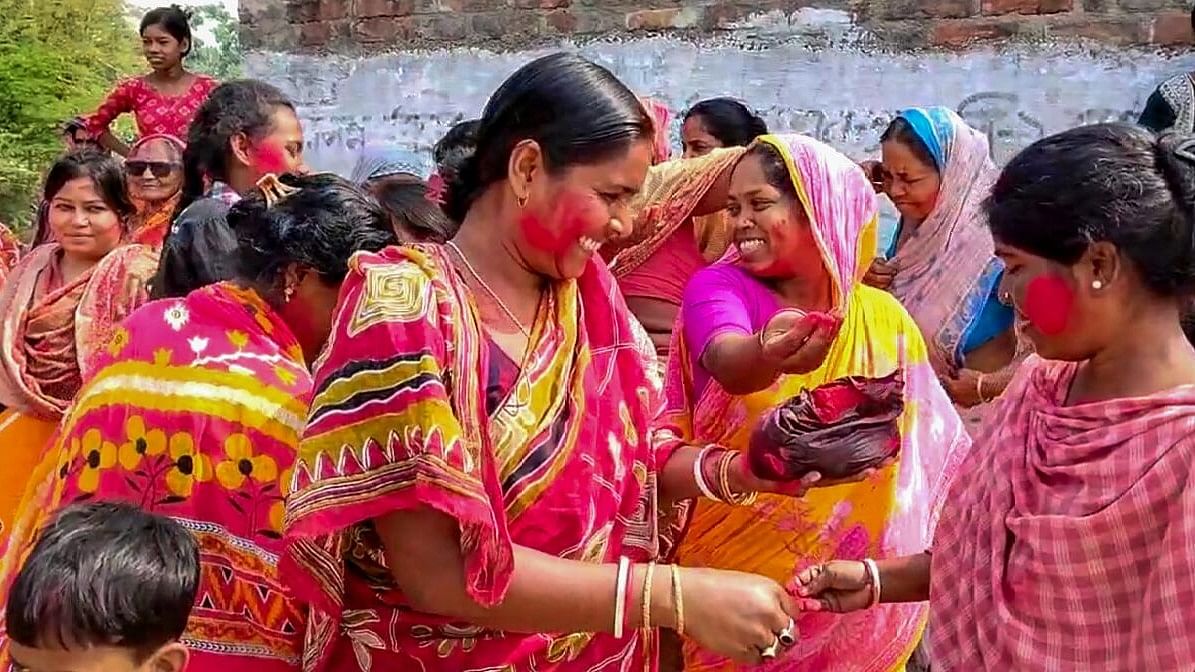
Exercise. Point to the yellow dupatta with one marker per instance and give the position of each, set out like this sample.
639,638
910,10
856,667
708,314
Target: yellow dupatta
889,515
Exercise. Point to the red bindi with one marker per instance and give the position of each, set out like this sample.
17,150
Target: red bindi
1048,304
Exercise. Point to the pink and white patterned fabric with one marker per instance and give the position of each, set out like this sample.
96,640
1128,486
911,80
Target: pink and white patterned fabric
1068,538
156,112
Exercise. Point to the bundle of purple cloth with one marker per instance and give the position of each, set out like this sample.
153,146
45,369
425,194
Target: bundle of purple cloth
839,430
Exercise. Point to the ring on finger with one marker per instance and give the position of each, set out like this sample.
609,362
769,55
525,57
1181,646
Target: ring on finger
788,636
770,652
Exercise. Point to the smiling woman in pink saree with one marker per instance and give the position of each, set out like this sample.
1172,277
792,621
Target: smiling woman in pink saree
805,219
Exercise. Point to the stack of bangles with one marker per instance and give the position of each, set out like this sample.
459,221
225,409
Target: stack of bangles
721,460
624,598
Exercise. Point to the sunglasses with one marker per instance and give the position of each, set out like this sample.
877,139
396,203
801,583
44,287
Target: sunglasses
159,169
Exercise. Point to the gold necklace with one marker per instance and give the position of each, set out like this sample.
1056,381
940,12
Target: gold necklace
494,295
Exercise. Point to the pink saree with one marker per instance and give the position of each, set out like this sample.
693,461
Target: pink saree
194,412
1068,539
892,514
562,463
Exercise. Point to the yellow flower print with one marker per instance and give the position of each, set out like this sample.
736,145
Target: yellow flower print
239,339
242,464
98,455
190,466
162,356
285,375
120,338
141,442
278,508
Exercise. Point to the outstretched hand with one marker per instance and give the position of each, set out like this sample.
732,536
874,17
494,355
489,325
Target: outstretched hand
838,586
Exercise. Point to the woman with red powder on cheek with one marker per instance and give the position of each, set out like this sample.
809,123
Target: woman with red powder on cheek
1068,537
480,450
245,130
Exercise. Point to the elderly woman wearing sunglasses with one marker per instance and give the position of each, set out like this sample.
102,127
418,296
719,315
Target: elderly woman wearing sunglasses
155,176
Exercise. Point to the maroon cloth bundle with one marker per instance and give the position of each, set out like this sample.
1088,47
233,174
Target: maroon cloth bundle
839,429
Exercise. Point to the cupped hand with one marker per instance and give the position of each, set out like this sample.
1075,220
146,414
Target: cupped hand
881,273
838,586
734,614
793,342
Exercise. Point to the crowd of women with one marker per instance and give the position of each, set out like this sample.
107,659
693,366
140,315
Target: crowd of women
489,409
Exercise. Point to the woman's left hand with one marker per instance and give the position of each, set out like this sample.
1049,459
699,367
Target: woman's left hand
743,480
963,387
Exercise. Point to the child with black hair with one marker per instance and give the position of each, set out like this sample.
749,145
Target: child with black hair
106,588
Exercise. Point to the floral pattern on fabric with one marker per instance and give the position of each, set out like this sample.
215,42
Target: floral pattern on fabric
155,112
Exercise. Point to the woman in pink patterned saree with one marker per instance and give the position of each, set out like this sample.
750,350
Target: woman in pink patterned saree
58,308
1068,538
195,411
479,485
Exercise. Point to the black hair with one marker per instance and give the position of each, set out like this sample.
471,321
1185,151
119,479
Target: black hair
576,110
104,171
728,120
1107,182
413,216
105,574
174,20
901,131
318,227
245,106
774,168
457,144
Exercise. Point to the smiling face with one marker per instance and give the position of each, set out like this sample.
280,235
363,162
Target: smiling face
771,229
161,50
82,222
155,171
911,183
567,216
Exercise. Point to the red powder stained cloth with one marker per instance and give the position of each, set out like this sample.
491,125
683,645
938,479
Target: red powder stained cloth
839,429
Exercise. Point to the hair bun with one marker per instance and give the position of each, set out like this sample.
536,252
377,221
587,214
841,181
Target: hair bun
462,177
1176,161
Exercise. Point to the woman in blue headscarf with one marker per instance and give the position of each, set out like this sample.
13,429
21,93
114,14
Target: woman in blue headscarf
940,264
395,177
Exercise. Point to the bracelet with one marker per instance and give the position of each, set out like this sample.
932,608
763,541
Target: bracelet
620,596
651,570
699,476
873,572
678,600
728,496
979,389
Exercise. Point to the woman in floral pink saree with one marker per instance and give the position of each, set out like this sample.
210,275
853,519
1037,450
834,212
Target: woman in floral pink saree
1068,538
196,407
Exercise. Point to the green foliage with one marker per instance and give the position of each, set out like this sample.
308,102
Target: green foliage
58,59
223,58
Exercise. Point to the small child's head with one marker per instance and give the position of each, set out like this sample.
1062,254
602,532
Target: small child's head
106,588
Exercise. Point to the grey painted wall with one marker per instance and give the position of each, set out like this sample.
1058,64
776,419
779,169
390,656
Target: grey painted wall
840,94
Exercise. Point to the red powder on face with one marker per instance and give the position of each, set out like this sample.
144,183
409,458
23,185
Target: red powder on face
269,157
1048,304
563,229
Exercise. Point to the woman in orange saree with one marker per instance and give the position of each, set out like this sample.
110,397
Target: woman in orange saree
155,173
59,307
805,219
195,412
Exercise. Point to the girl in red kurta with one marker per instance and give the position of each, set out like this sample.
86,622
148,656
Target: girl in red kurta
165,100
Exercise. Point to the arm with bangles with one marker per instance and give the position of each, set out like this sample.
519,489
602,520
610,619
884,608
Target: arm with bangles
842,586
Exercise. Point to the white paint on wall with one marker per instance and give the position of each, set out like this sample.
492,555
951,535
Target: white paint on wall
842,95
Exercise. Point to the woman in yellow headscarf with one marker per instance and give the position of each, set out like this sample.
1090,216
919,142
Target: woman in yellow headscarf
802,214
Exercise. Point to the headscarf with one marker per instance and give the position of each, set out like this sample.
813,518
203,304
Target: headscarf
661,117
1179,94
947,267
378,162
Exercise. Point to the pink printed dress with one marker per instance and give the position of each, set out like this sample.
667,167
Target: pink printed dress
156,112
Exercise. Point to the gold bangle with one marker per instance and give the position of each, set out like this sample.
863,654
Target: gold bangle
728,495
979,389
651,570
678,600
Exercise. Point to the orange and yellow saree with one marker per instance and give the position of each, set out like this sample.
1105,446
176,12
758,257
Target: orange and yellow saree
50,330
891,514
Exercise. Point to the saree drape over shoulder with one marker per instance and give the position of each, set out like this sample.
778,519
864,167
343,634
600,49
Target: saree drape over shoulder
1068,538
50,332
414,406
891,514
195,413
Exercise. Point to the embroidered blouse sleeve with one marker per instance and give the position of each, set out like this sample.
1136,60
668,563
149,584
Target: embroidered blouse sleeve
118,102
382,433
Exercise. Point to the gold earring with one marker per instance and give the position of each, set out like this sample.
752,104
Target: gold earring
522,201
288,293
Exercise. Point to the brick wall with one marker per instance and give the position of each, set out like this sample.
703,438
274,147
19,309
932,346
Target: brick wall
368,26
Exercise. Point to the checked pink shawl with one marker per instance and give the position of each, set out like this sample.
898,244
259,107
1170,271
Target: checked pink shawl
1068,538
